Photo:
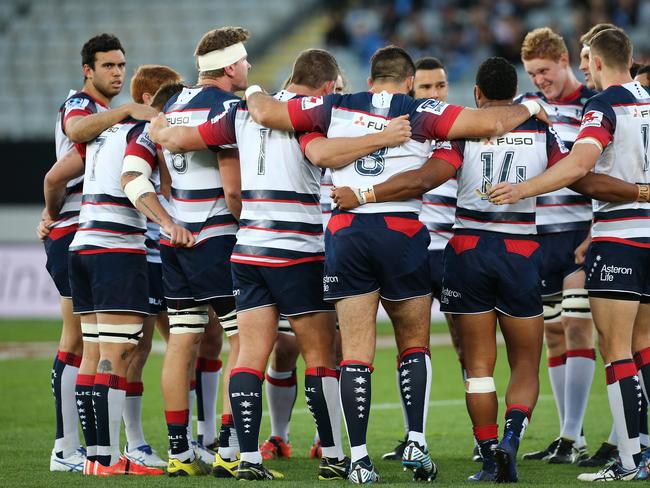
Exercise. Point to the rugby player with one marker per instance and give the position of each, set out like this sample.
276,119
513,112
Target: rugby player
613,139
584,51
563,222
83,116
363,264
109,247
643,75
277,263
205,199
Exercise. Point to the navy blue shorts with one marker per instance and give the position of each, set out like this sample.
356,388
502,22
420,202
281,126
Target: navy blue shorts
109,282
294,290
199,273
487,271
157,302
618,271
56,251
365,253
435,271
558,258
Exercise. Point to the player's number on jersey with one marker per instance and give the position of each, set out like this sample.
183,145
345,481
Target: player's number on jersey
261,160
487,158
645,135
99,142
373,164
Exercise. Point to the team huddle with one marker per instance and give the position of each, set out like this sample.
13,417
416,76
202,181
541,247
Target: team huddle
284,221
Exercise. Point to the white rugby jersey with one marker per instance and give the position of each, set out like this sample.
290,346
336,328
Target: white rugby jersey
281,220
619,118
108,221
77,104
197,196
365,113
326,186
563,210
517,156
438,213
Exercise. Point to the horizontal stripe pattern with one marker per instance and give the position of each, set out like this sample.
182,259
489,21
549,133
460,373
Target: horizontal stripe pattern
438,213
272,256
626,225
507,222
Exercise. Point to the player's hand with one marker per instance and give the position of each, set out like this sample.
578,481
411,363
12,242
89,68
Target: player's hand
543,116
45,225
344,198
581,251
157,124
179,236
397,132
139,111
505,193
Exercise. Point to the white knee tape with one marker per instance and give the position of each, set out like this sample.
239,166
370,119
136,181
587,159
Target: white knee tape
120,333
89,332
552,309
575,303
229,323
188,320
480,385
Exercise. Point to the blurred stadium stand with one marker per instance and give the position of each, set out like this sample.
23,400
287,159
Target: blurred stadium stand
40,42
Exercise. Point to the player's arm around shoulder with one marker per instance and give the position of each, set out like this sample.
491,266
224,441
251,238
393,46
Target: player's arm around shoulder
336,152
84,128
176,139
266,110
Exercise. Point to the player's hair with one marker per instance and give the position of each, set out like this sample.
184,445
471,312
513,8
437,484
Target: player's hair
543,43
165,92
216,39
586,37
643,70
634,68
313,67
429,63
391,63
614,48
497,79
148,78
101,43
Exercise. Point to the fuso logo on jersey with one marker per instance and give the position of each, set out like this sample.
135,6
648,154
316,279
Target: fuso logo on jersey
593,118
433,106
311,102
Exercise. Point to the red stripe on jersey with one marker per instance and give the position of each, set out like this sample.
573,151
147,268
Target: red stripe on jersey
307,138
108,250
114,204
620,240
451,156
137,150
441,125
211,199
279,201
620,219
59,232
463,217
235,258
602,135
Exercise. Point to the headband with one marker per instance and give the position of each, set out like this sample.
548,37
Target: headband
221,57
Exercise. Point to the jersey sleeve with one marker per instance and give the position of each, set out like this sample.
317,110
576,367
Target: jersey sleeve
432,119
220,130
451,152
555,148
598,122
311,114
78,105
305,138
139,144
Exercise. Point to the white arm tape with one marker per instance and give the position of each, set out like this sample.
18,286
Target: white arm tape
480,385
590,140
137,187
134,163
532,106
252,89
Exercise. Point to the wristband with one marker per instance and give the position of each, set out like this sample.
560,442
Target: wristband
252,89
369,194
532,106
644,193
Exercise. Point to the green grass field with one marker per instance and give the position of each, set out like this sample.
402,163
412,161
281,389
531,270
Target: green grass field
27,433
